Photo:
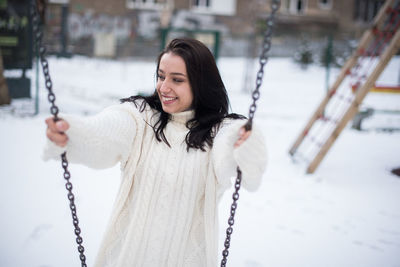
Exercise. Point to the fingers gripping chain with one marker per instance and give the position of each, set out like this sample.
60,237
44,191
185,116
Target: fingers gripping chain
38,34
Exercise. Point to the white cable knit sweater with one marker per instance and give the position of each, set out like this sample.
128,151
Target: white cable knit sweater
165,212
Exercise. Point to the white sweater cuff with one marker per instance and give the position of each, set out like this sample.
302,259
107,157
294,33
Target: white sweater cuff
52,151
251,157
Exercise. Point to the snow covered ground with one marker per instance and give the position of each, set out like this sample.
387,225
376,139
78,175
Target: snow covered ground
346,214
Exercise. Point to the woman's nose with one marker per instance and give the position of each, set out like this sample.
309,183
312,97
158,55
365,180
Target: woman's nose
164,87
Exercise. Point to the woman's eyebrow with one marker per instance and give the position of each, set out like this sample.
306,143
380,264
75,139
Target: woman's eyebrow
178,73
172,73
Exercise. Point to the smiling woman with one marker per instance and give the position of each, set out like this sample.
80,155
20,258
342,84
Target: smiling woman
173,86
178,149
187,66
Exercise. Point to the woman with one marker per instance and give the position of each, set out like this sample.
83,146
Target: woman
177,149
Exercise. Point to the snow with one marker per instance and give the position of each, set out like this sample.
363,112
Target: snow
345,214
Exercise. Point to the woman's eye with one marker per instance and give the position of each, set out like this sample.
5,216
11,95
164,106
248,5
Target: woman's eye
178,80
162,78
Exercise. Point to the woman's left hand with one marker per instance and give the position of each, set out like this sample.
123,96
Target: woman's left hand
243,135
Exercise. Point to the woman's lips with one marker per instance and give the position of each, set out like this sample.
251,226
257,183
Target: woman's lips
168,99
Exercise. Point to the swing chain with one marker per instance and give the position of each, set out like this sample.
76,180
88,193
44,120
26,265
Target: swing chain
231,219
270,22
38,34
266,46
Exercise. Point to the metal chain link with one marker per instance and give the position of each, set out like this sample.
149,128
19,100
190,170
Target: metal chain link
270,22
38,35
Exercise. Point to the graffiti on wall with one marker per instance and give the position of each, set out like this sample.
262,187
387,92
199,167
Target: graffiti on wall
149,23
88,25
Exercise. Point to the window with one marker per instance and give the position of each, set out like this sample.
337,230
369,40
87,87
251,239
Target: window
146,4
325,4
201,3
366,10
296,6
216,7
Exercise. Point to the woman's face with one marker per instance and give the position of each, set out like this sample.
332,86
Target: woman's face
173,85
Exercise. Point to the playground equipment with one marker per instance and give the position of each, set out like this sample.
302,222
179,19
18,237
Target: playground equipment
377,46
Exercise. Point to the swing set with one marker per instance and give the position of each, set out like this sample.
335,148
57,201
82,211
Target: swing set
266,45
377,46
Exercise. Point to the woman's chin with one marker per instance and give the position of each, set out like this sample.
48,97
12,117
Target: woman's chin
172,109
169,109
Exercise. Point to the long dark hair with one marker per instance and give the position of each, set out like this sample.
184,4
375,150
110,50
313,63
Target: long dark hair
210,100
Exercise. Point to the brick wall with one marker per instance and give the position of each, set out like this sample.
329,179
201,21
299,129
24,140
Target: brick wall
114,7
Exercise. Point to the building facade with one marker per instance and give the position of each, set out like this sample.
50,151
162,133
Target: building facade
129,28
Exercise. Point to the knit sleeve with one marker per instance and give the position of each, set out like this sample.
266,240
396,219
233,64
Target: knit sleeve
99,141
250,156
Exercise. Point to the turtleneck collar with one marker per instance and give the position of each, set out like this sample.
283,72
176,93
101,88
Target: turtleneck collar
182,117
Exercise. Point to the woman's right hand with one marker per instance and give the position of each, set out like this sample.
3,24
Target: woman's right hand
56,131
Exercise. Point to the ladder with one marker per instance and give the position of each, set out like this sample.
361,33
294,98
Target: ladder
377,46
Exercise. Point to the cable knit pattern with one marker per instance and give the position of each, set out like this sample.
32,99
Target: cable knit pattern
165,212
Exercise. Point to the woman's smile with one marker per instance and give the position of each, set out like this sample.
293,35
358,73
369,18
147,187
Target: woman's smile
167,100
